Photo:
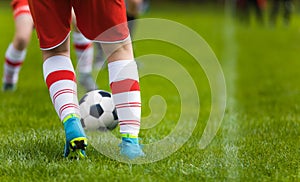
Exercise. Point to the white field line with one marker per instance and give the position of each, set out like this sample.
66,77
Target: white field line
230,124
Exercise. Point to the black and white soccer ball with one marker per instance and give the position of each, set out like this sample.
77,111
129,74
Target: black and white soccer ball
98,111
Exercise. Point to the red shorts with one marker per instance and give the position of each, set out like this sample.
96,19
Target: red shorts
100,20
20,7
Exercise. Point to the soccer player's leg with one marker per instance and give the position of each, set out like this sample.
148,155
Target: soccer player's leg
61,81
114,35
58,70
60,78
16,51
124,83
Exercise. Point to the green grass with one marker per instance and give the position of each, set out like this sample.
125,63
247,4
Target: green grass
258,139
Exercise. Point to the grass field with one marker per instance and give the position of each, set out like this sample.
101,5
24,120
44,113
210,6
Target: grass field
257,141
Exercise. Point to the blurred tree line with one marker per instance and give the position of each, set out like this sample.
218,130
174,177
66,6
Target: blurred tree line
296,3
220,2
196,1
206,1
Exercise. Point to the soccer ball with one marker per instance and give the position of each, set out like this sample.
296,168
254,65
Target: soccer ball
98,111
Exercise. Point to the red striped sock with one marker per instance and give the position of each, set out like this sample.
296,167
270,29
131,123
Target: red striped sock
84,51
13,62
21,11
124,83
61,81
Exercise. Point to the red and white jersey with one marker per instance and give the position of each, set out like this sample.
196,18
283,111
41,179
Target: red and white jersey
99,20
20,7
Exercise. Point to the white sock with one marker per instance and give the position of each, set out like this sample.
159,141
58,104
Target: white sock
84,52
60,78
124,83
13,62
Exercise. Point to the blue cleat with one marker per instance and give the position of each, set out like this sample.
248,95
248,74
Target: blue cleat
130,148
76,141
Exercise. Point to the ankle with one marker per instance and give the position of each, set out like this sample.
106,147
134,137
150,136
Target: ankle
130,138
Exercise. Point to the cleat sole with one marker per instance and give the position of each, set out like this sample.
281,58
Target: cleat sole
77,148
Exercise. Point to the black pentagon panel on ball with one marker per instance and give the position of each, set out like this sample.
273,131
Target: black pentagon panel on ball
82,100
115,114
96,110
104,94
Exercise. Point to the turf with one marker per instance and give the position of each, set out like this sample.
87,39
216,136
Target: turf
257,141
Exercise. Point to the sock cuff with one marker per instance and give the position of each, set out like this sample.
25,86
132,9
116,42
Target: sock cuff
15,55
128,135
120,63
122,69
69,117
57,63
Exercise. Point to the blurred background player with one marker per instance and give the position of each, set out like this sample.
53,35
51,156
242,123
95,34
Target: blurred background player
275,9
16,51
85,55
245,8
53,32
134,9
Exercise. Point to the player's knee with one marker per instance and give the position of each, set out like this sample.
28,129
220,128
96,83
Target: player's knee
120,52
62,49
21,42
